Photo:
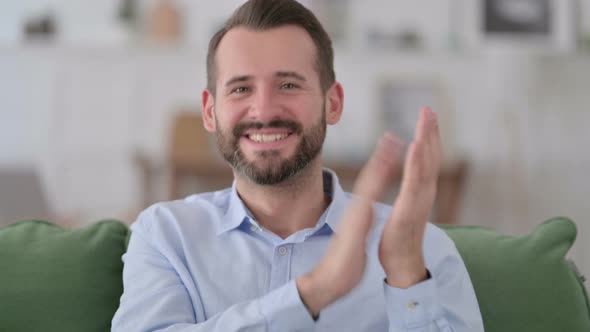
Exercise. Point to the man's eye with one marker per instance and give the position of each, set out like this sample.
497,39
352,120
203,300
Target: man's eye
288,86
240,90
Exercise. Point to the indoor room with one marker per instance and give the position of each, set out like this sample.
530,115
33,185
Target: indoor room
101,111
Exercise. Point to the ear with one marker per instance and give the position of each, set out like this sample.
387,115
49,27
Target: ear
334,103
208,111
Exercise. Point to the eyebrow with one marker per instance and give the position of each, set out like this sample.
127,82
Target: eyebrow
282,74
237,79
291,74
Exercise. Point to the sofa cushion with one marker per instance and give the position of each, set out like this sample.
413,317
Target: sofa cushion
53,279
70,280
524,283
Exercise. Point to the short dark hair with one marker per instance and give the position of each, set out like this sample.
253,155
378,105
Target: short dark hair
268,14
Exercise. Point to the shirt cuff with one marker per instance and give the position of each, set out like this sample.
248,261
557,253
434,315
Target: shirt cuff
284,310
412,307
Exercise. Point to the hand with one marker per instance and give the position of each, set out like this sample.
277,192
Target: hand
400,249
342,268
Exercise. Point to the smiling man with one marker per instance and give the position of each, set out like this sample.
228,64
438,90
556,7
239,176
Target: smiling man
285,249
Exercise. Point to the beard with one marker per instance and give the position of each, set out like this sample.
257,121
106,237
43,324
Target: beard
268,168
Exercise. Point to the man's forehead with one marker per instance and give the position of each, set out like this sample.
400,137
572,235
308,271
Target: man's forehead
244,51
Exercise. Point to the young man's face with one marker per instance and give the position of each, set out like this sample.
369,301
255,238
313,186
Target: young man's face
269,112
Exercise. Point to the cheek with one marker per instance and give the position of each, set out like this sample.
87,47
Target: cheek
227,117
303,105
309,112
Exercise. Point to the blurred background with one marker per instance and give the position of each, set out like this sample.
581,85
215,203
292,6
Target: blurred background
100,103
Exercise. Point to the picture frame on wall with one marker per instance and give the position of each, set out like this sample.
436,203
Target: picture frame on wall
538,25
520,17
400,100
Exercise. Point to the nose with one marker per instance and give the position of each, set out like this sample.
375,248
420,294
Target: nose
264,105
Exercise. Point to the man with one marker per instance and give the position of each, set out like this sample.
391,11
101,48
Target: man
285,249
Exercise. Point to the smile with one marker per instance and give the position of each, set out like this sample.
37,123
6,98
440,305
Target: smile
264,138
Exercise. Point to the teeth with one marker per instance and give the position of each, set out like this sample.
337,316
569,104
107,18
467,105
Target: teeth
267,138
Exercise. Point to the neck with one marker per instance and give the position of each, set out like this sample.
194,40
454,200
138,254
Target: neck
288,207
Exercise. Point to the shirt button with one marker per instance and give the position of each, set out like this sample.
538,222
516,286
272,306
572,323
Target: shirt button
282,251
253,228
412,305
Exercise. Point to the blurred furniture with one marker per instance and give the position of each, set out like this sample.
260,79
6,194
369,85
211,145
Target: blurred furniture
190,153
70,280
191,156
164,23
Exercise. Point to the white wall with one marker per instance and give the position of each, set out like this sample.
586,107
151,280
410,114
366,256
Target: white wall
80,107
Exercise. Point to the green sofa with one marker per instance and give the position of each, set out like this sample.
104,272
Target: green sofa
53,279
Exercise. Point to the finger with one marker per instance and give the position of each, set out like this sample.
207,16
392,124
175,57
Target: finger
430,160
423,138
414,201
357,221
421,132
437,144
384,165
389,155
413,169
433,146
430,138
370,185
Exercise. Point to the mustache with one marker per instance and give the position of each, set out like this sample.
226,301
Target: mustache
291,125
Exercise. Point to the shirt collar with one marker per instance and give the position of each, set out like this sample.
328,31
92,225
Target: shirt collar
237,213
335,210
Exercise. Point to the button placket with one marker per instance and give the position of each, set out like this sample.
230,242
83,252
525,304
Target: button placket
283,251
281,266
412,305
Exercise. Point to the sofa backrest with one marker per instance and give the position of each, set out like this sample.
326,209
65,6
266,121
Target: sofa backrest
53,279
525,283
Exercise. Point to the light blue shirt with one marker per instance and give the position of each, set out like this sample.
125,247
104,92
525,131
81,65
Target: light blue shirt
204,264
